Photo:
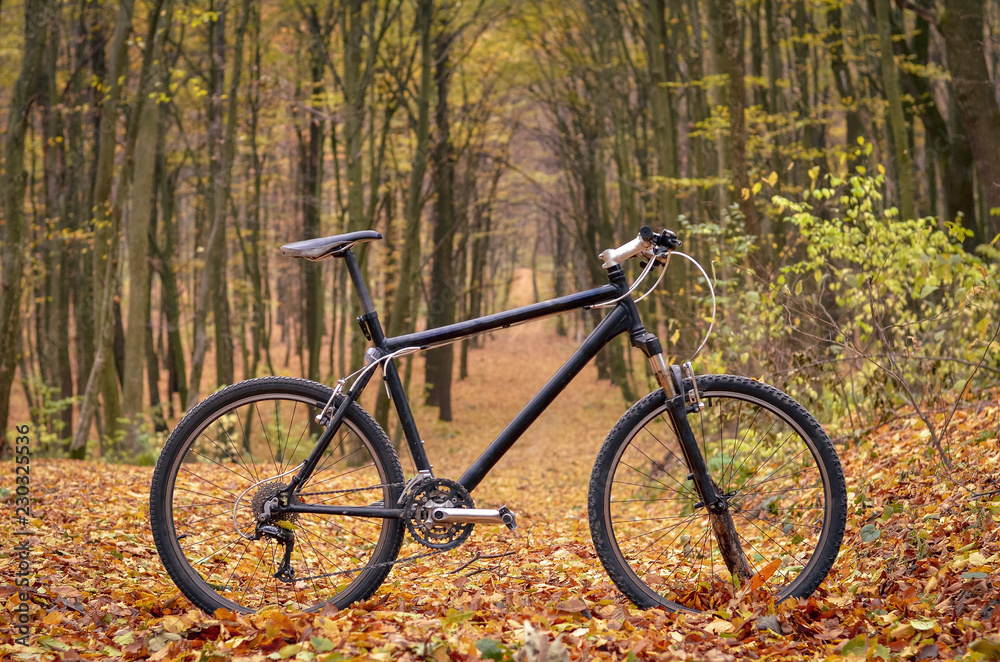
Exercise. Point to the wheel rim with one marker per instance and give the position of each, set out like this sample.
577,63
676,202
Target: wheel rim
779,497
215,470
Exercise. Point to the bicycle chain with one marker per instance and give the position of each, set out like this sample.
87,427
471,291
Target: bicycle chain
383,564
408,559
356,489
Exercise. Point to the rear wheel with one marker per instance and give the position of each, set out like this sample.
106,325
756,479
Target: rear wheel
229,456
769,459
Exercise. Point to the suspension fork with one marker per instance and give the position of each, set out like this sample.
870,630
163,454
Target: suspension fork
673,385
679,405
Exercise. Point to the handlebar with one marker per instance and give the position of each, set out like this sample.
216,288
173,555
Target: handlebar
645,243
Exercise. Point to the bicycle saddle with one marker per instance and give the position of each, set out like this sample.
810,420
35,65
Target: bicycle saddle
324,247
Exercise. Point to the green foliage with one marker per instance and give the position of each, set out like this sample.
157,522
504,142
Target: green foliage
868,307
48,411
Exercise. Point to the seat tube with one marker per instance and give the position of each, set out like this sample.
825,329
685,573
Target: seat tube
397,393
354,269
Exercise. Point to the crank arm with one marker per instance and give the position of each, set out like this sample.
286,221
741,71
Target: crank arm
475,516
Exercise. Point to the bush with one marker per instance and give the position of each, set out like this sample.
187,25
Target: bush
867,312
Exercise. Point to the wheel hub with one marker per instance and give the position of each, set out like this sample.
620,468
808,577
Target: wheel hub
266,494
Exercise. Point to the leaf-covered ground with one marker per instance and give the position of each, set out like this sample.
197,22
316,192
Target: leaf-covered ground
918,576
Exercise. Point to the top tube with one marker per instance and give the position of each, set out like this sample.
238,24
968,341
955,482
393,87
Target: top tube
445,334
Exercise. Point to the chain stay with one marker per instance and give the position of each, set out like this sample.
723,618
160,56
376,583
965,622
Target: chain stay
419,478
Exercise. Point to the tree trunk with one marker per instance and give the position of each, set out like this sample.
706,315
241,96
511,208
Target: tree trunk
214,281
800,48
944,142
312,190
441,293
658,54
975,98
717,50
897,120
105,245
756,51
775,99
258,327
223,184
399,317
354,117
169,294
705,156
12,178
842,73
732,65
137,241
59,195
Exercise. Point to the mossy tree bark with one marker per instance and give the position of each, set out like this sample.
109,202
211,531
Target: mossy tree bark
975,98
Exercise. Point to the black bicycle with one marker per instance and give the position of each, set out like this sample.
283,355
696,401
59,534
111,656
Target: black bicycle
285,491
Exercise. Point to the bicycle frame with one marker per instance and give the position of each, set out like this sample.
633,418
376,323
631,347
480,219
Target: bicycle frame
623,317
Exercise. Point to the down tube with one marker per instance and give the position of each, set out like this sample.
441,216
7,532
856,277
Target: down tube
616,322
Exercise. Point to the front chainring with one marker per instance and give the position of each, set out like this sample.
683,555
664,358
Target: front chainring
437,493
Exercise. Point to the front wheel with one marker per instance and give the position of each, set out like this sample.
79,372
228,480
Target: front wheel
769,459
229,457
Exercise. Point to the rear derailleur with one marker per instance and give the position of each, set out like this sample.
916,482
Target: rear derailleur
273,524
286,539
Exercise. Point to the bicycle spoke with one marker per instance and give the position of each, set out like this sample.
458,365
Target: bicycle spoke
653,487
665,528
267,440
665,486
751,453
680,461
198,476
762,462
236,448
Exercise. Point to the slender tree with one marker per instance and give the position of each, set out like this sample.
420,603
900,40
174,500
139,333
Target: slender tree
441,295
897,120
975,96
399,314
659,55
137,231
105,269
12,178
732,57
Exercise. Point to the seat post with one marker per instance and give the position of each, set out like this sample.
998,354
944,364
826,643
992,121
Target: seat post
359,282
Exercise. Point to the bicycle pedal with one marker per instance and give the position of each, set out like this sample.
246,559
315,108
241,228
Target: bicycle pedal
508,518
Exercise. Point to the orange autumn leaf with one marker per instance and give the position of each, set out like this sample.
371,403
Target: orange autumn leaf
764,574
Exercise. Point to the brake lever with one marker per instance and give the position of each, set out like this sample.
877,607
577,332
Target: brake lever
656,253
